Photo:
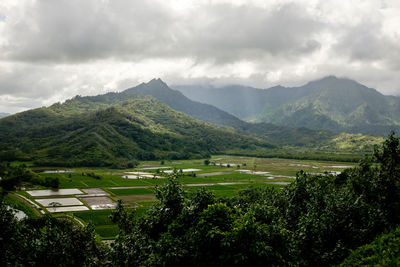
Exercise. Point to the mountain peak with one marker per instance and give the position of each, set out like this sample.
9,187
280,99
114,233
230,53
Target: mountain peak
333,82
153,85
329,79
156,82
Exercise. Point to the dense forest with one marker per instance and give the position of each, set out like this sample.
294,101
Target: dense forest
348,219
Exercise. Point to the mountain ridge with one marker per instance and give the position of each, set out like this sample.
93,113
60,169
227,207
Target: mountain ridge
120,127
204,112
331,103
140,128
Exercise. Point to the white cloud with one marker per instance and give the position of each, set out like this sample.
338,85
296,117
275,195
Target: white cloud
53,50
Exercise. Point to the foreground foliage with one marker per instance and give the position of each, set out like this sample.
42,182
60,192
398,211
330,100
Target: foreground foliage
383,251
46,242
13,176
314,221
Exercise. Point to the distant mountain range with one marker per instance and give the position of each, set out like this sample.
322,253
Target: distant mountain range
330,103
147,122
204,112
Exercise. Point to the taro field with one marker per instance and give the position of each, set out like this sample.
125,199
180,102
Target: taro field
88,195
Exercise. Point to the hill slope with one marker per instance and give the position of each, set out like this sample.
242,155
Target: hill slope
330,103
138,128
176,100
118,128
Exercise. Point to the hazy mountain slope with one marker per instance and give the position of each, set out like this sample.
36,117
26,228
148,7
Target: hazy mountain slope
335,104
2,114
176,100
243,102
330,103
138,128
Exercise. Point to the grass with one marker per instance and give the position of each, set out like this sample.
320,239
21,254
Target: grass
225,190
143,198
77,180
101,222
143,207
107,231
131,191
18,204
100,219
96,217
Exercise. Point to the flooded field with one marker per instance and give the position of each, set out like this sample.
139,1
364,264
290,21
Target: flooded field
67,209
95,197
50,202
98,203
56,192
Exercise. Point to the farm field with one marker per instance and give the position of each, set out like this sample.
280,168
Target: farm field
90,194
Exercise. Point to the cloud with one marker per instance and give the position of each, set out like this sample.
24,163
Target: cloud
53,50
76,31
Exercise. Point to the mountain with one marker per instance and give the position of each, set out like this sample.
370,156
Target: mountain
175,99
330,103
120,128
298,136
137,128
241,101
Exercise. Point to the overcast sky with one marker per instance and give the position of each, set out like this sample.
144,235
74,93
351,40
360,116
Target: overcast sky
53,50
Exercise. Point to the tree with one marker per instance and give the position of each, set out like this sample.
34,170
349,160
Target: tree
46,241
388,157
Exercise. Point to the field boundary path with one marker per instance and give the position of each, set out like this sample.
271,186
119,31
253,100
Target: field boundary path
30,204
203,184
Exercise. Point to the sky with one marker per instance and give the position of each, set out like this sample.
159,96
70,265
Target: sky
52,50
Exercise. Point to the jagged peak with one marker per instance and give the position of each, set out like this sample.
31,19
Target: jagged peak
153,84
156,81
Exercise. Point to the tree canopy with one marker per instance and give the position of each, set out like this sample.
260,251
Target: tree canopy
314,221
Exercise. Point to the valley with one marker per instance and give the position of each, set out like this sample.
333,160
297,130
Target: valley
199,133
87,195
119,146
120,162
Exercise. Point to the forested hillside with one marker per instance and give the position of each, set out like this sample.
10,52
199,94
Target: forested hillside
140,128
280,135
330,103
121,128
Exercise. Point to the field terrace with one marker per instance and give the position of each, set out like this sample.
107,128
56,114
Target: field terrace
88,195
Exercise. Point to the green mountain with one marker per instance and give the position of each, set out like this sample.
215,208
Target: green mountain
95,135
175,99
330,103
119,128
298,136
